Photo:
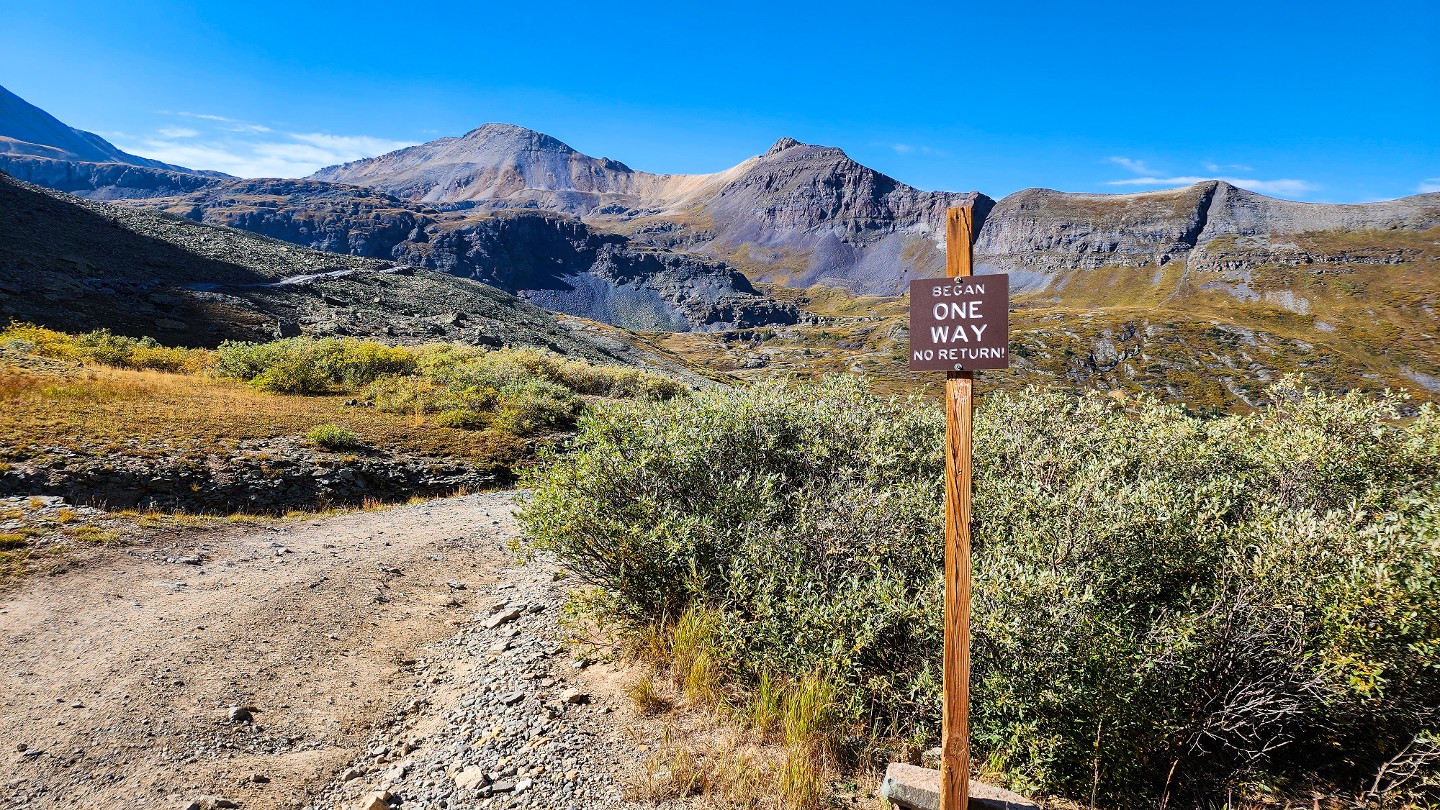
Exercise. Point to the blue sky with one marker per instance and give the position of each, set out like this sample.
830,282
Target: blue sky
1315,101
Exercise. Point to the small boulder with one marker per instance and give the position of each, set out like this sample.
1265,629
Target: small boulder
471,778
379,800
502,618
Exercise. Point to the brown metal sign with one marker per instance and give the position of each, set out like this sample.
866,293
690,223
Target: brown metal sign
960,324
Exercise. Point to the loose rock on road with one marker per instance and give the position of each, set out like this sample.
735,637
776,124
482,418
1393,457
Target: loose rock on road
395,657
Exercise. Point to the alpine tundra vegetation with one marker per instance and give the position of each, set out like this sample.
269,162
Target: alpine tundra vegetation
1167,608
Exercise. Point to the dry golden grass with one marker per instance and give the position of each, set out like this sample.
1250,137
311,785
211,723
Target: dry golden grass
104,410
773,745
644,693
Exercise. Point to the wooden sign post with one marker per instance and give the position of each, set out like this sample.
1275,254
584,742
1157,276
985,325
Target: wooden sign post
958,326
959,412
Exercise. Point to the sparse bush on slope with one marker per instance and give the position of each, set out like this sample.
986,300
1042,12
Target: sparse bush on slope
333,437
102,347
523,392
1180,605
520,392
311,366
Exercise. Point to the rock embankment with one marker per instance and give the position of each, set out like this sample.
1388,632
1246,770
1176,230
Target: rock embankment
271,476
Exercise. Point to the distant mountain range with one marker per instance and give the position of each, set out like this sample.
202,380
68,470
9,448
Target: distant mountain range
76,265
593,237
36,147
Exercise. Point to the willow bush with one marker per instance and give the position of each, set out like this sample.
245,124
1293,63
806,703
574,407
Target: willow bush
1164,605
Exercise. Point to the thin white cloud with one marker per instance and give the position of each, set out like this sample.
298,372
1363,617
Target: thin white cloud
1225,167
1430,185
913,149
244,149
1137,166
227,124
1287,187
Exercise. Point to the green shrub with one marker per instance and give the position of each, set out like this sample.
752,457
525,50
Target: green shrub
292,373
438,378
1182,606
333,437
310,366
534,407
507,368
352,363
463,418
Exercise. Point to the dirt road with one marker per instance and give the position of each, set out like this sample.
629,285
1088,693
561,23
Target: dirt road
267,666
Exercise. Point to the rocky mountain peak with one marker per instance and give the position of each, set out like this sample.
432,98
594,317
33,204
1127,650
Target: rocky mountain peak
496,136
781,145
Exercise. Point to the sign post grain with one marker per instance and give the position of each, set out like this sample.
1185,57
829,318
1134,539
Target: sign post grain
959,413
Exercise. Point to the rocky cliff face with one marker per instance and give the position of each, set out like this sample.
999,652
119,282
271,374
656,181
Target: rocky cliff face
562,265
103,181
323,216
1038,233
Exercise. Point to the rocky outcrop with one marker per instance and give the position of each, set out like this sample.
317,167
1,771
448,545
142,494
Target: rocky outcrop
1044,230
103,181
271,476
324,216
1037,233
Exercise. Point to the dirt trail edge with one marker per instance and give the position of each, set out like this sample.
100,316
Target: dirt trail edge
394,657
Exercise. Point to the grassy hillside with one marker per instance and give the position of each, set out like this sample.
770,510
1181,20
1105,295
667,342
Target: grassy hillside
1347,310
99,394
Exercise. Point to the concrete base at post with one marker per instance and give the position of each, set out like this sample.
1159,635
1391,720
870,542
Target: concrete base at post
916,788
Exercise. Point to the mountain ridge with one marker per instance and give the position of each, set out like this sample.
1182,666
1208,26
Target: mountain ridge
547,257
37,147
75,265
802,214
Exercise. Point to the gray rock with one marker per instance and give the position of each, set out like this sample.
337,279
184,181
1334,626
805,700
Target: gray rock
379,800
211,803
915,788
503,617
471,778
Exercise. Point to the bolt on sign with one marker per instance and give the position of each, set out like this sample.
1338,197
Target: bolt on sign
960,324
